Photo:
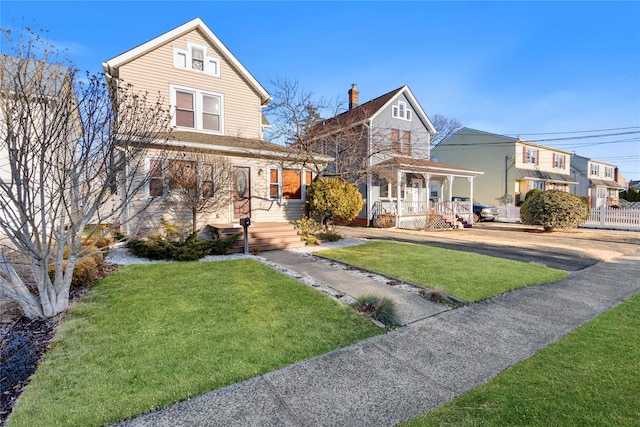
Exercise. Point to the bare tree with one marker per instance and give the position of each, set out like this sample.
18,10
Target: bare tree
445,126
297,122
200,183
65,146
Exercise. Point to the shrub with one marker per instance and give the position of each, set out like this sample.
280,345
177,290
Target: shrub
378,308
329,198
554,209
191,249
531,193
307,226
83,274
329,236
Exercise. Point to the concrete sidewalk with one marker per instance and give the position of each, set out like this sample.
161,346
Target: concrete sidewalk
397,376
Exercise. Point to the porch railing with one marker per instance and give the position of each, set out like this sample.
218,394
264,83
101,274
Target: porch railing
451,211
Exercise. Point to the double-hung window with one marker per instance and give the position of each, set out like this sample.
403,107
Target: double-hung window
558,161
401,142
196,109
196,58
608,172
594,170
530,156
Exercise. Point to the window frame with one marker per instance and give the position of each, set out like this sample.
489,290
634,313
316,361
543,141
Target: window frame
278,187
594,169
198,101
559,161
183,59
401,111
165,175
401,142
531,156
608,172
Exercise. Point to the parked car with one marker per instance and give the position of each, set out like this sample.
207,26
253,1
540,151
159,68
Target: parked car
480,212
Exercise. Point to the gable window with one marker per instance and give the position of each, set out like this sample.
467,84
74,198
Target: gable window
196,109
401,142
195,58
558,161
594,169
530,156
400,111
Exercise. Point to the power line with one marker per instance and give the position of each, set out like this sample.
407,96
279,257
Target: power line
567,132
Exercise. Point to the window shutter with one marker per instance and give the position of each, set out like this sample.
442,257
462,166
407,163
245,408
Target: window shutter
524,154
553,160
537,157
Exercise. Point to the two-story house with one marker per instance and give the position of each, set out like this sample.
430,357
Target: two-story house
511,166
216,108
396,174
596,180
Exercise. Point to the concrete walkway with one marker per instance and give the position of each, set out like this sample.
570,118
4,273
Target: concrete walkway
397,376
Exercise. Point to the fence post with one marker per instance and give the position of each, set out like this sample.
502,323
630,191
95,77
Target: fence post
603,213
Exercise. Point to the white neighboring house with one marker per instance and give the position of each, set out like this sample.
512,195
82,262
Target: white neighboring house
596,180
216,106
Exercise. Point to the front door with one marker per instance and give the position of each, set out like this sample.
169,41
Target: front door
241,193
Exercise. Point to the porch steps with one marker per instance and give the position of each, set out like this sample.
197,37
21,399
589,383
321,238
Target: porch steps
265,236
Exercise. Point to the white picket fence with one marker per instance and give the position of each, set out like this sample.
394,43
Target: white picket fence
602,217
611,218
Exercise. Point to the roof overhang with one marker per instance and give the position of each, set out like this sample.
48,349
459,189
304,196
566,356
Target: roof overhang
605,183
536,175
423,166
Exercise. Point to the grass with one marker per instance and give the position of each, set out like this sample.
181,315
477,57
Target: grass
588,378
468,276
150,335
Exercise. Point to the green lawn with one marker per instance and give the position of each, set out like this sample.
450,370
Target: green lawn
150,335
588,378
468,276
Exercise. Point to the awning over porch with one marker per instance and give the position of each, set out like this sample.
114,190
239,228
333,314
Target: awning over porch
606,183
536,175
409,164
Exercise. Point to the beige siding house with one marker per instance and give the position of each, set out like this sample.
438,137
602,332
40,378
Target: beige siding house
511,166
597,180
216,108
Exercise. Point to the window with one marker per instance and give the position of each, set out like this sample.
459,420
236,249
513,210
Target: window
274,184
400,111
608,172
539,185
594,170
195,58
156,180
602,193
196,109
287,183
176,174
530,156
558,161
291,184
401,142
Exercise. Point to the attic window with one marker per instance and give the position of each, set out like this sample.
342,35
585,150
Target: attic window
400,111
195,58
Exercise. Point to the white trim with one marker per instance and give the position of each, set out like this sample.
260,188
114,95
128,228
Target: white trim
183,60
416,105
196,23
198,108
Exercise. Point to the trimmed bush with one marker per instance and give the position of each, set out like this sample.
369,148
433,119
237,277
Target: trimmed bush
554,209
531,193
191,249
83,274
329,236
329,198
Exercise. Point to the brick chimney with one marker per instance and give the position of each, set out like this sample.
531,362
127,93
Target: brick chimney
353,96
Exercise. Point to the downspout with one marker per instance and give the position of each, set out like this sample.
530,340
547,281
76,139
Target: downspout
369,177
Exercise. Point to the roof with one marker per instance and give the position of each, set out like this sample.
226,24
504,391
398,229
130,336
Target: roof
605,183
423,165
370,109
112,64
234,145
536,175
509,139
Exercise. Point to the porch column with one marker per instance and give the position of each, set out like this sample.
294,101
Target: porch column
398,200
427,184
450,179
470,179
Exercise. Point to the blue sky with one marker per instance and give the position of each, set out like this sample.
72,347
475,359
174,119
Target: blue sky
517,68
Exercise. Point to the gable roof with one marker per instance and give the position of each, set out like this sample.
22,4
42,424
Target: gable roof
411,163
371,109
110,67
508,139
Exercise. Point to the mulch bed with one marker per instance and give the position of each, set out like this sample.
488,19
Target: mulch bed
22,346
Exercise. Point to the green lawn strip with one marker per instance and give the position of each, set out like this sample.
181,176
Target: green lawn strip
150,335
588,378
468,276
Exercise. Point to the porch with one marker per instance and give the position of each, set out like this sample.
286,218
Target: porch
427,215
